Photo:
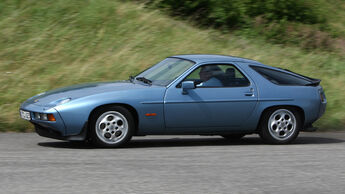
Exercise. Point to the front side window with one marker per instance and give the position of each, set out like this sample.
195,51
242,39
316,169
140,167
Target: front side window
217,76
280,78
165,71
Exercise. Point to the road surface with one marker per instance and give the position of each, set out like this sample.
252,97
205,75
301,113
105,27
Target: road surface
315,163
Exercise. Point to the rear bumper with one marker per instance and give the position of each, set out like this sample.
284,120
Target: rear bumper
309,128
322,108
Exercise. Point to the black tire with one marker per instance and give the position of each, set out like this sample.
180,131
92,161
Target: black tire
112,129
234,137
273,133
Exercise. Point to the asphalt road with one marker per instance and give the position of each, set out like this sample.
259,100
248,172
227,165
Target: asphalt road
315,163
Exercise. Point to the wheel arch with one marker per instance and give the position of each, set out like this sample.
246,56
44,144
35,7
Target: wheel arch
297,108
130,108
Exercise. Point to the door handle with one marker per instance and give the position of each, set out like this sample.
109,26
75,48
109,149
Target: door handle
248,94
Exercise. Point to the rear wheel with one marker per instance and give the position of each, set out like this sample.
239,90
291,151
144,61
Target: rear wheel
280,125
111,127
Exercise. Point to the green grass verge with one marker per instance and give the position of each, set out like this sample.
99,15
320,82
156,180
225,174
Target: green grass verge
50,44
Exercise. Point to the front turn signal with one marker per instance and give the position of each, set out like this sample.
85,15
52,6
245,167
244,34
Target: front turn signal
51,117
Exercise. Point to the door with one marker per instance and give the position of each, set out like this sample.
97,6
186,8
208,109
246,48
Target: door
223,98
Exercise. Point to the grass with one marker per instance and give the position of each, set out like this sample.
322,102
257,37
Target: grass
50,44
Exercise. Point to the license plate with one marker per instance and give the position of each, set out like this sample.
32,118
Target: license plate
25,115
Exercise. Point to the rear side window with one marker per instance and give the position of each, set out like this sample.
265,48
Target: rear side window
280,78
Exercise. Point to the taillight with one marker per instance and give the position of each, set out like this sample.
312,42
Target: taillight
322,95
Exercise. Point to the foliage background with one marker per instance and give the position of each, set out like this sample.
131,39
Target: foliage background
46,44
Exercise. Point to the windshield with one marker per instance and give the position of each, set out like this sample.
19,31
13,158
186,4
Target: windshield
165,71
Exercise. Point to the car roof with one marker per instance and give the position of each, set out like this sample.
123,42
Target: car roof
200,58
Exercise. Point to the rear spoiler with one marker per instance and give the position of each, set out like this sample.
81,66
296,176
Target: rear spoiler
313,81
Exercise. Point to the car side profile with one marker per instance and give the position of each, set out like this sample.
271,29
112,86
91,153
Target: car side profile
183,95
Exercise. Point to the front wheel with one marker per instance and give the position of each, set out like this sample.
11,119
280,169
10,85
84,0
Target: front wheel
112,127
280,125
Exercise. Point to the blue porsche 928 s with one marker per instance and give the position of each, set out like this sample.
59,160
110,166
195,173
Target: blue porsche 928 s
184,94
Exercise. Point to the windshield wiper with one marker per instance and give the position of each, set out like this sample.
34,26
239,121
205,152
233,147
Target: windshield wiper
143,79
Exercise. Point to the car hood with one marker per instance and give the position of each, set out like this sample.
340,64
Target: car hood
53,97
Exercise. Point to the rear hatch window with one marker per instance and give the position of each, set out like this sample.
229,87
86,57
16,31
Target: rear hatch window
283,78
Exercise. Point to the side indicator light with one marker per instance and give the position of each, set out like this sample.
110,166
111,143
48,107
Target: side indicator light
51,117
150,114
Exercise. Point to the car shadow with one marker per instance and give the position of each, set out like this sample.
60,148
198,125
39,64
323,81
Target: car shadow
190,142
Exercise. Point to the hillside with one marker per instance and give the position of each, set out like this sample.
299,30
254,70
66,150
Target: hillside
50,44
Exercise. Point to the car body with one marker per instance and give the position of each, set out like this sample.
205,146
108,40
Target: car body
178,105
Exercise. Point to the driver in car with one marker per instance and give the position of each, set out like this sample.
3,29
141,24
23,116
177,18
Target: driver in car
207,76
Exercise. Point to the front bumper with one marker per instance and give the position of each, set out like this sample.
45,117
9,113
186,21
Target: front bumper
54,134
58,126
51,129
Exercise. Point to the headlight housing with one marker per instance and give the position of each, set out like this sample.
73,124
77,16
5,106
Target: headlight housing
44,116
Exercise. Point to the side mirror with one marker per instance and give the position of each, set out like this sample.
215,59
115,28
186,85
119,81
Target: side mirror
187,85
